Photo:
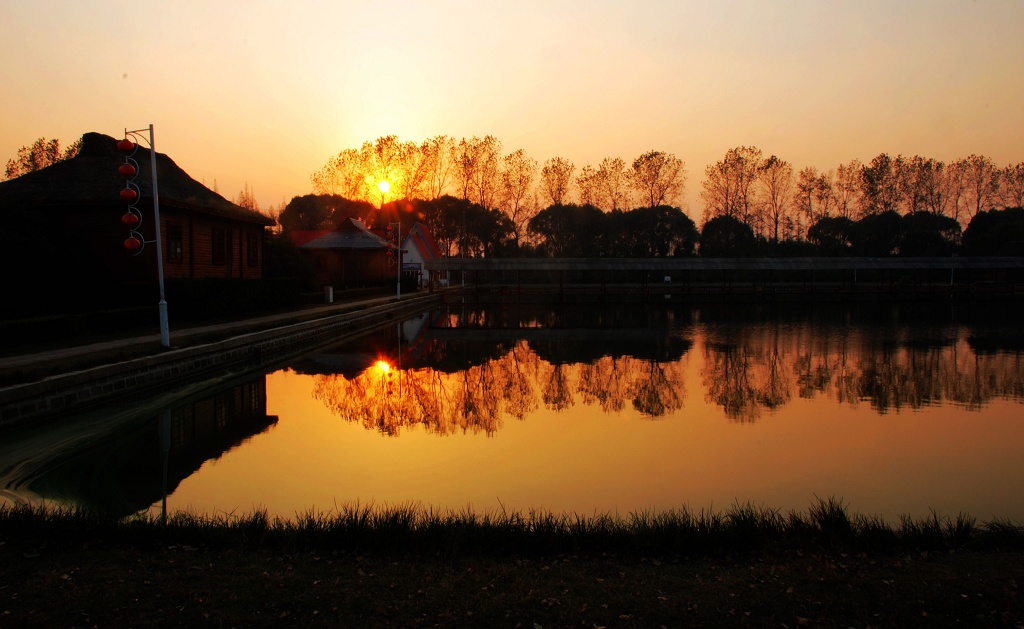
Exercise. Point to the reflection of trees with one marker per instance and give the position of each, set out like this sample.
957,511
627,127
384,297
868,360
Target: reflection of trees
478,398
751,368
745,369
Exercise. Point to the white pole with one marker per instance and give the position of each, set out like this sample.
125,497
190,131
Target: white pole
398,293
165,333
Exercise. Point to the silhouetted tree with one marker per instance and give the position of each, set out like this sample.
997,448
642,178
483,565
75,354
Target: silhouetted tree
877,235
832,235
569,231
727,237
556,179
658,178
38,155
995,233
927,234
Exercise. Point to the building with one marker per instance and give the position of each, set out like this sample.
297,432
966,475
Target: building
350,256
63,231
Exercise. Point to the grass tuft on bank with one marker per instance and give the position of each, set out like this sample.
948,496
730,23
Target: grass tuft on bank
413,529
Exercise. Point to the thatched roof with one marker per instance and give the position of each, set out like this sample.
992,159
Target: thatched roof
91,179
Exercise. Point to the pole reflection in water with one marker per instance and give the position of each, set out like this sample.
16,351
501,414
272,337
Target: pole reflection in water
119,463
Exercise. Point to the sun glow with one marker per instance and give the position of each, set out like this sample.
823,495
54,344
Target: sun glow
384,187
383,366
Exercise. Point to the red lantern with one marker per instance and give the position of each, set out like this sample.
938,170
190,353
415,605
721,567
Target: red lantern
125,145
132,243
126,169
130,219
129,195
390,227
389,253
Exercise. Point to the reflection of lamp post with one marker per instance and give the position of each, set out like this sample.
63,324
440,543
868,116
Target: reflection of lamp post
133,218
396,229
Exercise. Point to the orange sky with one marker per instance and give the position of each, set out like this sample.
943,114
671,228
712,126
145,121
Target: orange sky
266,92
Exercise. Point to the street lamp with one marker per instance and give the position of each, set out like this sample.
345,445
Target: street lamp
133,218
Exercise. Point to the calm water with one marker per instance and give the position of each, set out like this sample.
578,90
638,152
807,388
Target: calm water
594,409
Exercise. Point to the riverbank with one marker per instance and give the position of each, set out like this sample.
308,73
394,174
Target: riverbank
403,567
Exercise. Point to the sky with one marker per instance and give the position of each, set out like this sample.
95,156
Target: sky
263,93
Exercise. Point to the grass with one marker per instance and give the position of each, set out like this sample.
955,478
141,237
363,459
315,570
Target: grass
406,566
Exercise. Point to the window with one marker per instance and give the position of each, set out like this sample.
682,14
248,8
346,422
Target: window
252,253
175,246
218,242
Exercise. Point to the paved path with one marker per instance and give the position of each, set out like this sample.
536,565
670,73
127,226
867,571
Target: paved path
179,338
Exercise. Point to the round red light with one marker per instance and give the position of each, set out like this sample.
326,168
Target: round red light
126,169
389,253
130,219
125,145
129,195
132,243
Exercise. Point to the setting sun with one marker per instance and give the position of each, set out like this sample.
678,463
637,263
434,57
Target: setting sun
384,187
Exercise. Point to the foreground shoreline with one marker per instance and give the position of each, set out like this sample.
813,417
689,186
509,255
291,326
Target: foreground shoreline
402,567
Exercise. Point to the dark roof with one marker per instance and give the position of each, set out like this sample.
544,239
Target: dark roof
351,234
91,178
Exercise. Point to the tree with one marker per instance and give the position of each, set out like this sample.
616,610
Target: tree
658,178
247,199
846,189
981,183
776,179
928,234
575,231
995,233
516,181
880,185
38,155
587,183
477,169
877,235
612,184
1012,186
648,232
438,161
728,185
556,179
832,235
727,237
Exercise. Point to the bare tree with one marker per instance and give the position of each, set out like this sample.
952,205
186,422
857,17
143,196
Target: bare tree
880,185
556,179
516,181
612,188
587,183
247,199
981,183
776,180
658,178
344,175
438,161
478,168
1012,185
846,189
728,185
38,155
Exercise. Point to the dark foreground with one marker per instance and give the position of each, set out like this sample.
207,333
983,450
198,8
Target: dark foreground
364,569
102,586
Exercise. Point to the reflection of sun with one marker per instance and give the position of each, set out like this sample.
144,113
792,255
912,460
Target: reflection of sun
383,366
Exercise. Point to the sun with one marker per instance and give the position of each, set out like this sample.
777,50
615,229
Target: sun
384,187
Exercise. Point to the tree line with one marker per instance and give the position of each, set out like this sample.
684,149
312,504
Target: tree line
480,201
752,204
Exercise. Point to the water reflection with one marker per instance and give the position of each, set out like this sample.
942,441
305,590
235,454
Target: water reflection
470,369
122,463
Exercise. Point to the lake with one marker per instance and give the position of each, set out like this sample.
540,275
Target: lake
904,409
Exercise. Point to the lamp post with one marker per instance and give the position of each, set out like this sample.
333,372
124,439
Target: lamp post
133,218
